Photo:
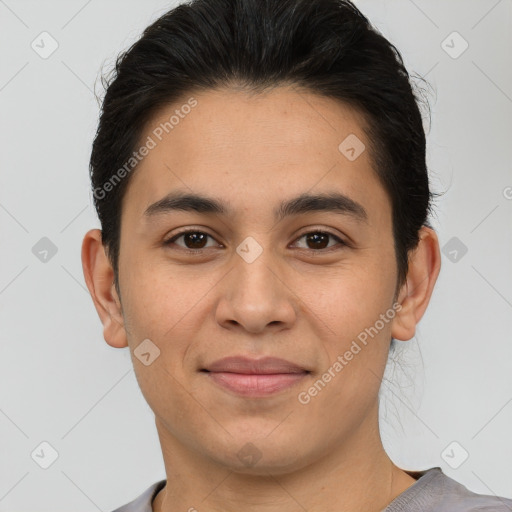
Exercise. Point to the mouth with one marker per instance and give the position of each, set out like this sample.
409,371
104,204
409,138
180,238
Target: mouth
255,377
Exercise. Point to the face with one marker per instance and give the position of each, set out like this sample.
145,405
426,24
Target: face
303,286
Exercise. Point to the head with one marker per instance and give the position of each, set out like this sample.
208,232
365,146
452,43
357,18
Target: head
286,137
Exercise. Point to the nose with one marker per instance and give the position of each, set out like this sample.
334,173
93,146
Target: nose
257,295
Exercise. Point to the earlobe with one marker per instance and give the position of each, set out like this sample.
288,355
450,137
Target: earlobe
99,277
424,268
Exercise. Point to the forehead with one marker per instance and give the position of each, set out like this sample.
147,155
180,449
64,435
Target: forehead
252,147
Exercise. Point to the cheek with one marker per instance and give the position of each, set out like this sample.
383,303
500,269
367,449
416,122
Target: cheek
162,308
169,305
355,340
158,302
355,345
346,299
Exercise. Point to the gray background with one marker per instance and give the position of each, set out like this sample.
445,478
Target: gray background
61,383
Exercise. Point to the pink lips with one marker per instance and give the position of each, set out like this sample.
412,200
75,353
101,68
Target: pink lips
255,377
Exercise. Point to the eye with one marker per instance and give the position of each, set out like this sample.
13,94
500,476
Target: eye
318,240
193,239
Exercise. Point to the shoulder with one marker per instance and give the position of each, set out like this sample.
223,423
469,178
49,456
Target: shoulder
143,502
461,499
436,492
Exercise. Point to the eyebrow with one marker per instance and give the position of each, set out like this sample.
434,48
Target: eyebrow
334,202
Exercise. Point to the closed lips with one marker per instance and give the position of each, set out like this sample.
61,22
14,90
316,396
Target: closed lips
248,366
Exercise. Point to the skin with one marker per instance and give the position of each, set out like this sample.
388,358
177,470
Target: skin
293,302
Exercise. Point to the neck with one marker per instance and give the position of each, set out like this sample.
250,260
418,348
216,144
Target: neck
357,475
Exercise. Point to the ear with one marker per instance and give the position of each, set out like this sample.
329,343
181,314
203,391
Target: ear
99,277
414,296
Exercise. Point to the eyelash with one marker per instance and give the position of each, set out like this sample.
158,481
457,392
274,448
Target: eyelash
199,251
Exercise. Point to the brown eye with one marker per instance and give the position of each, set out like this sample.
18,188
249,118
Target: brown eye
192,240
319,240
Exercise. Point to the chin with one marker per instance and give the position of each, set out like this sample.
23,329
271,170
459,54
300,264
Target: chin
261,457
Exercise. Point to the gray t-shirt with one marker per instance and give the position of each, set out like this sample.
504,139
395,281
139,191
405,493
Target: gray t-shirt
432,492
